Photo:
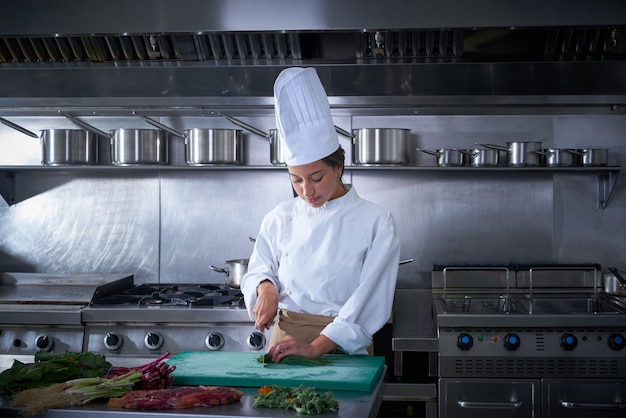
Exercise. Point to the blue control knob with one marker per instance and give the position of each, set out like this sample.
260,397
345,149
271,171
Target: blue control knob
616,341
568,341
511,342
464,341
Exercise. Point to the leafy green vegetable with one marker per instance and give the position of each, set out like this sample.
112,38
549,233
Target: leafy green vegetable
303,399
296,360
50,368
74,392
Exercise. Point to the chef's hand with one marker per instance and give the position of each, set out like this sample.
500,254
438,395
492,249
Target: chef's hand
289,346
266,306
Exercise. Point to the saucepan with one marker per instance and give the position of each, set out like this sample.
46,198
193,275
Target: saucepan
449,157
380,146
207,146
484,157
63,146
594,157
277,156
520,154
131,146
234,270
559,157
276,150
614,284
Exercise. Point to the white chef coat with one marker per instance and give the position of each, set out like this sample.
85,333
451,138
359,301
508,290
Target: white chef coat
340,260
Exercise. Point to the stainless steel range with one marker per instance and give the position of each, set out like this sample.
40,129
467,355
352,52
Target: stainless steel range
529,341
112,315
43,311
146,320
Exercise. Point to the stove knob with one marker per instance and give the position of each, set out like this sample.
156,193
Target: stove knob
43,342
112,341
511,342
464,341
616,341
153,340
256,341
568,342
214,341
17,342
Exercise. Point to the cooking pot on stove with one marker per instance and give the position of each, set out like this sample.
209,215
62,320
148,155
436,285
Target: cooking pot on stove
234,270
380,146
520,154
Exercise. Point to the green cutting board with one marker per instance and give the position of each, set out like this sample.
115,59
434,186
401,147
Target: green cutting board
339,371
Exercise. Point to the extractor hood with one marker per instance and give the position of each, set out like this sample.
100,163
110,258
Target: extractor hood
398,53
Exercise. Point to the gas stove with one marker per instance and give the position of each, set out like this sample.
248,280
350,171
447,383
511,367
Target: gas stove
147,320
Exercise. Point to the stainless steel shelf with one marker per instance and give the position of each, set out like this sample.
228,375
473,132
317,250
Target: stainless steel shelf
607,176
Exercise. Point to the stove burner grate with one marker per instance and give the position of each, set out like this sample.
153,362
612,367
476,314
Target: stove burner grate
151,295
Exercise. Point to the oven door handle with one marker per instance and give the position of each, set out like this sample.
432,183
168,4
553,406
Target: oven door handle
592,405
489,405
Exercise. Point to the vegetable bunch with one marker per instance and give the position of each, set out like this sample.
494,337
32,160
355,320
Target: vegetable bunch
154,375
49,368
303,399
74,392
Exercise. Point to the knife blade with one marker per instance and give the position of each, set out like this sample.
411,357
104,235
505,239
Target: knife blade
264,349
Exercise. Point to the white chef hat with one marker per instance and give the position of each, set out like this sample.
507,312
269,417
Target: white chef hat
303,116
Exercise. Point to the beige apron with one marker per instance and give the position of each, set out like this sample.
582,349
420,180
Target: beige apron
303,327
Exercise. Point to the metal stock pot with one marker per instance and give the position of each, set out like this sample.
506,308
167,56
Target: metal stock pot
131,146
449,157
234,270
520,154
68,147
380,146
207,146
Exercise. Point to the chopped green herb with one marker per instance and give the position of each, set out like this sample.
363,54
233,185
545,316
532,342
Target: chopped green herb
296,360
303,399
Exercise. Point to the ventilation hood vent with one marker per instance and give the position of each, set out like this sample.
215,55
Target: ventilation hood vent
488,45
223,53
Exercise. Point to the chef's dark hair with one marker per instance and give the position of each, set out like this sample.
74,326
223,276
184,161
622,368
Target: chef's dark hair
336,158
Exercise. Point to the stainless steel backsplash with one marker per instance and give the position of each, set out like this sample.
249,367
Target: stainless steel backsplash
170,225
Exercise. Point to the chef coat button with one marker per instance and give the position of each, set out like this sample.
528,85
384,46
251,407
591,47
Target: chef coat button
288,218
286,254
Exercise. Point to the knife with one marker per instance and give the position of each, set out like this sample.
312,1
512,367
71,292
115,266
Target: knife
264,349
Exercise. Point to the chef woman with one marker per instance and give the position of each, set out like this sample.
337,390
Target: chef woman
325,264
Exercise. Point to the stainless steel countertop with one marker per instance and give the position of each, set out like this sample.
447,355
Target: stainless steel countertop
414,327
351,404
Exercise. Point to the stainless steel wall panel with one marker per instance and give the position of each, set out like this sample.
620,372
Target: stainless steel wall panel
82,224
208,217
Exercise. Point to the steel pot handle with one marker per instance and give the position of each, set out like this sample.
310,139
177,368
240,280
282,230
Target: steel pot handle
343,132
244,125
408,260
18,128
85,125
219,270
159,125
436,154
498,147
